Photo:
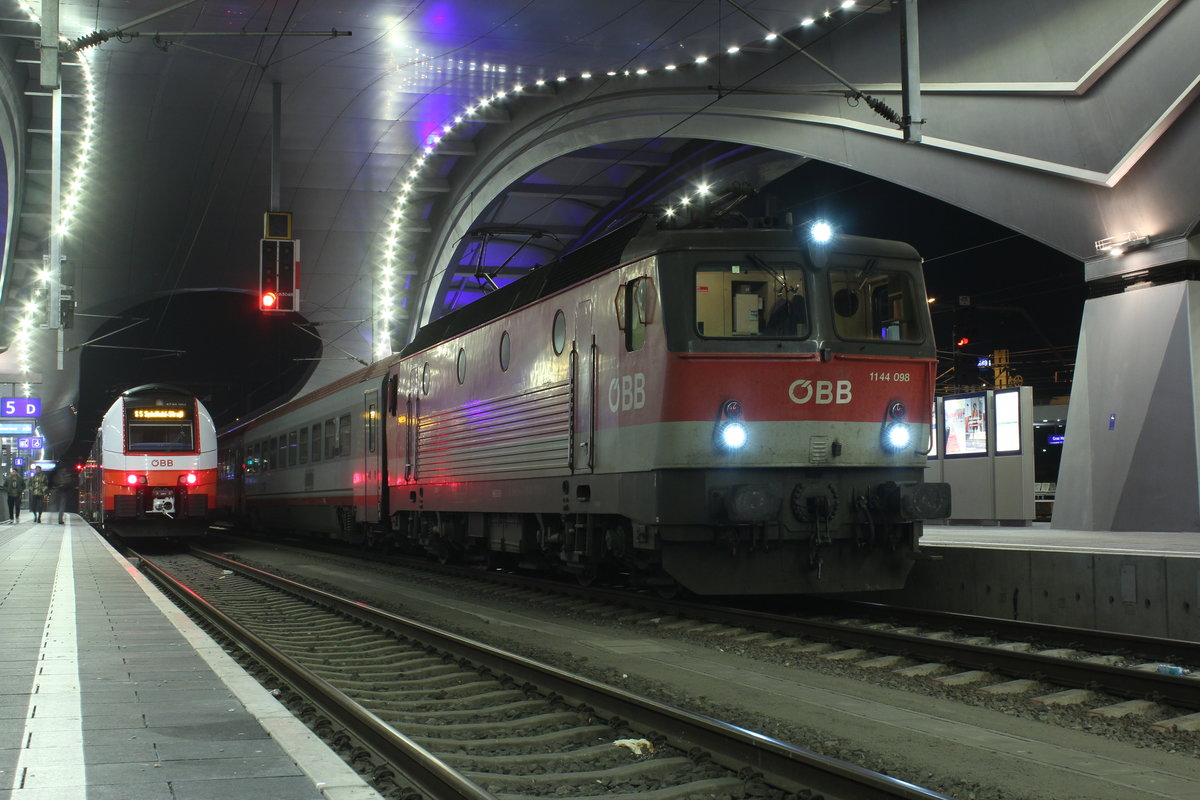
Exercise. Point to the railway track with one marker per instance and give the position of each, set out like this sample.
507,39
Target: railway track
1052,665
461,719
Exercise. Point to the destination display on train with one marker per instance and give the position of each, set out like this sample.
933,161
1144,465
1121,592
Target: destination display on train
159,413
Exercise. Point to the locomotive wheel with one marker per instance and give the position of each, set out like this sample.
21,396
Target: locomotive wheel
586,575
669,591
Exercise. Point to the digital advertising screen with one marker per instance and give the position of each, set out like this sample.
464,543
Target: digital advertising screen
966,428
1008,422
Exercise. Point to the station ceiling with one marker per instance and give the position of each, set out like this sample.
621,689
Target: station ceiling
1067,124
180,171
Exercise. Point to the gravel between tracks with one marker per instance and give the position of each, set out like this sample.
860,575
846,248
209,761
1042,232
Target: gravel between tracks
857,742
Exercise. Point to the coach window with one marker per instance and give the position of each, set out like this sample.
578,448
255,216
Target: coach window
330,438
462,365
344,435
638,299
505,351
293,448
371,425
283,451
316,442
302,446
559,332
270,455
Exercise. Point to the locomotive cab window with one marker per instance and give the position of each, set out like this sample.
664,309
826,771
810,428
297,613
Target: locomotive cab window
875,304
639,297
751,297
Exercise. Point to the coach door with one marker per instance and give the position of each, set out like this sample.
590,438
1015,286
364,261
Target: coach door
583,379
366,477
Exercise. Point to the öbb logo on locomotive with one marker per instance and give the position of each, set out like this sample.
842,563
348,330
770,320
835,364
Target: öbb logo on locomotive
627,393
820,393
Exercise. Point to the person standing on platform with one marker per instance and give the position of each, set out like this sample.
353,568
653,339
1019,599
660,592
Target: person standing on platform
65,483
39,489
14,487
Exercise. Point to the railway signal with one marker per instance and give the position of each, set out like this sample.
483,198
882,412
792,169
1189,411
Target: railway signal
278,275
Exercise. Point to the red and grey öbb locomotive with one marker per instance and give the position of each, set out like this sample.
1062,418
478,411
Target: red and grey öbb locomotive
732,411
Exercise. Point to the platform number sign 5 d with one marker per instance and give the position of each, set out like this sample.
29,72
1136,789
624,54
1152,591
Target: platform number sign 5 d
279,275
20,407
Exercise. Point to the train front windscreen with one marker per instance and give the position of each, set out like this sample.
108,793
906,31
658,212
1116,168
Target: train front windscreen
760,297
160,429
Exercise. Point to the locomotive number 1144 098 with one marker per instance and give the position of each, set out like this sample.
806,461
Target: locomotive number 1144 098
891,377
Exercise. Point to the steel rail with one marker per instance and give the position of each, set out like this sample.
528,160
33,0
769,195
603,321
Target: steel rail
424,770
1150,647
782,764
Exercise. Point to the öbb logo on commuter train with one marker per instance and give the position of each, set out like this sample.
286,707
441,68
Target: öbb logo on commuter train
162,462
820,393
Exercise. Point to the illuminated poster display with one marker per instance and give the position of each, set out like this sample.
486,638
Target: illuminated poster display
965,418
1008,421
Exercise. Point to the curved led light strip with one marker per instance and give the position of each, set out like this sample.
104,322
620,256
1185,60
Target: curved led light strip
72,195
392,244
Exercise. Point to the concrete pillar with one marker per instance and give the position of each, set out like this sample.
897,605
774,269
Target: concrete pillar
1131,454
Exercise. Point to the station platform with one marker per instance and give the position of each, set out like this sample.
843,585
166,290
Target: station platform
110,692
1040,536
1142,582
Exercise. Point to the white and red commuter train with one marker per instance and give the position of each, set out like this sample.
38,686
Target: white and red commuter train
733,411
152,471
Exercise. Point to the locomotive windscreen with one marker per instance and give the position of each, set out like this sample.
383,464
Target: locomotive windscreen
751,298
160,428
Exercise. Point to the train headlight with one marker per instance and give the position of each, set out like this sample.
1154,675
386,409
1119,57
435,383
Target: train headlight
897,436
731,433
821,232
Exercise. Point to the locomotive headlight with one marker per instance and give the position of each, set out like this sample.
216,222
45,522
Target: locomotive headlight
733,435
821,232
897,436
731,432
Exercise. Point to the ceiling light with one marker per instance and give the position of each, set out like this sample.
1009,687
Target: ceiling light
1116,245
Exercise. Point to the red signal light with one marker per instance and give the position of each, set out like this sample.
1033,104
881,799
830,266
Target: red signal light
269,300
131,479
962,341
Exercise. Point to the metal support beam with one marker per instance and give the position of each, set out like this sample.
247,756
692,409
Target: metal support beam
55,244
276,126
49,43
910,72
